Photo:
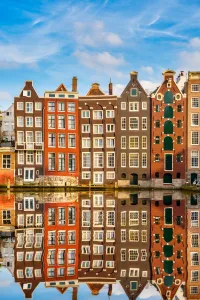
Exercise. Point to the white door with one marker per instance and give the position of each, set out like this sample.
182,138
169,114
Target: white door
29,174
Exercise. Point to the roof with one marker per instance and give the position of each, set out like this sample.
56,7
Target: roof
95,90
168,71
61,88
95,287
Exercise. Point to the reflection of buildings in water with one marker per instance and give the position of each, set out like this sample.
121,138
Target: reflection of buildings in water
168,243
97,245
133,242
29,235
61,237
7,223
193,250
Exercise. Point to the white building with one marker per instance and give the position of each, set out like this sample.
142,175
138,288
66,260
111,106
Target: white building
7,128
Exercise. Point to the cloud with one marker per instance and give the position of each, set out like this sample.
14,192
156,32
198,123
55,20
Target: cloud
189,58
5,283
118,89
6,96
147,69
154,21
99,60
148,292
149,86
195,42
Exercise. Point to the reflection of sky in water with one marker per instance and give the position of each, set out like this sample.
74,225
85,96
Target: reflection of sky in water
11,290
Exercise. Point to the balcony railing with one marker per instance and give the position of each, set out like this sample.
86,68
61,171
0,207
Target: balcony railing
29,146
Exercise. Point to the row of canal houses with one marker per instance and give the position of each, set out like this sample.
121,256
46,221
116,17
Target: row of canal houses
65,240
101,139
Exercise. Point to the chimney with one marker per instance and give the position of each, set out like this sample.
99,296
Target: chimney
74,84
110,87
168,74
110,290
182,73
134,75
75,293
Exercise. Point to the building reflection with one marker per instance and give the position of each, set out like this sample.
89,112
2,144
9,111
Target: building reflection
138,240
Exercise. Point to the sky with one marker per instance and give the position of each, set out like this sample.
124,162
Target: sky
10,290
50,41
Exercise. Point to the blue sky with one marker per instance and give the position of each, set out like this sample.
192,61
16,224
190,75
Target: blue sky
10,290
50,41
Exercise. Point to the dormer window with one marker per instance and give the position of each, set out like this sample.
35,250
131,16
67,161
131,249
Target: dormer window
26,93
134,92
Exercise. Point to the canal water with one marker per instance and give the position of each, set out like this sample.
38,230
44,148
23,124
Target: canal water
99,245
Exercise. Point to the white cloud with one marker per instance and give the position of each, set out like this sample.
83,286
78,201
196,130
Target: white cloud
154,20
148,292
149,85
147,69
117,289
118,89
5,96
99,60
195,42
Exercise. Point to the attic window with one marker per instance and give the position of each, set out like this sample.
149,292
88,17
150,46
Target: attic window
178,97
169,85
70,96
134,92
26,93
52,95
159,97
61,95
133,285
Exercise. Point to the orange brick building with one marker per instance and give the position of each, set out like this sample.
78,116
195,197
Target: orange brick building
169,242
61,135
169,138
7,212
7,165
61,238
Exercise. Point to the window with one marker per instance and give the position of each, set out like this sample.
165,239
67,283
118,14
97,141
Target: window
110,175
71,122
168,97
195,102
144,236
123,218
6,161
123,160
110,128
157,157
98,142
195,87
194,290
71,256
144,142
86,203
51,121
110,235
38,138
123,123
86,143
110,218
51,106
61,140
20,157
157,108
85,114
85,264
144,105
98,160
110,142
195,138
29,157
110,159
29,272
133,255
97,264
29,121
179,140
157,122
51,139
6,217
195,119
71,216
179,124
110,113
194,276
134,123
20,105
86,217
71,107
134,160
86,161
29,107
51,161
157,140
61,122
134,235
144,160
71,140
178,157
38,105
134,272
134,92
195,159
179,108
38,122
38,157
194,258
195,240
144,218
20,121
110,250
98,129
144,123
123,235
123,142
133,106
98,114
123,105
98,235
61,162
134,142
98,200
194,217
133,218
71,162
85,250
168,112
71,237
98,249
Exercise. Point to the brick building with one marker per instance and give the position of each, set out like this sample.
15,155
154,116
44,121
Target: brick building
61,165
28,119
169,134
97,131
134,135
193,126
7,165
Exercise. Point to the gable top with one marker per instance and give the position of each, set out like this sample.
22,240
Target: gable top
28,86
95,90
133,79
95,287
61,88
169,72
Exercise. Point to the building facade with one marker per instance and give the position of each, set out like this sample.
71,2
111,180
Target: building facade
97,131
7,128
61,163
7,165
29,145
168,242
133,242
134,135
193,125
169,134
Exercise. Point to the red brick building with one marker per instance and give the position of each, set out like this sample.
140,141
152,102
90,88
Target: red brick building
61,135
61,237
168,155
